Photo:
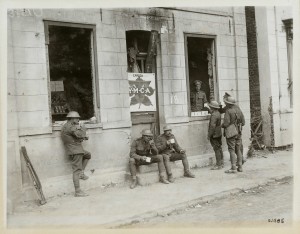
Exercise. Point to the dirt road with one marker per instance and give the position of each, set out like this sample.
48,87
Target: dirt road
268,205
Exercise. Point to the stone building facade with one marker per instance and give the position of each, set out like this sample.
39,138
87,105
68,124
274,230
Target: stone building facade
30,114
270,46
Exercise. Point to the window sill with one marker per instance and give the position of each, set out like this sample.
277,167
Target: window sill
57,126
199,118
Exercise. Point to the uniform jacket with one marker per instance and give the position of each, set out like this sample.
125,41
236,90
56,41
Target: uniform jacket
162,146
141,148
214,127
72,136
232,114
197,100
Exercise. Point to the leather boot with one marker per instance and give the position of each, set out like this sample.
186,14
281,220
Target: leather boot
83,176
188,174
80,193
163,180
133,183
171,178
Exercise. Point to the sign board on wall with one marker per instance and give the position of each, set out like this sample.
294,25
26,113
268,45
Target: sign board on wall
142,94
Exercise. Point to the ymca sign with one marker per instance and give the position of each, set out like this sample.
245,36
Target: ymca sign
142,94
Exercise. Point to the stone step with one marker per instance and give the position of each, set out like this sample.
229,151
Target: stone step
148,174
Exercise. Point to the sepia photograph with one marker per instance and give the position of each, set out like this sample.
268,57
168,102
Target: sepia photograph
160,116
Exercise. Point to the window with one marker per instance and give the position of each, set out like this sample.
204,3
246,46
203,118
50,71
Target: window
71,59
289,39
200,72
141,59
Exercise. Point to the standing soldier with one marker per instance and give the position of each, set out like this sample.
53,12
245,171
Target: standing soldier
198,98
144,152
168,146
72,135
233,122
215,134
223,110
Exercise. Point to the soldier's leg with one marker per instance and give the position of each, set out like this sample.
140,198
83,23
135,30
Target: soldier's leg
231,149
166,158
86,157
77,168
160,162
215,142
239,154
185,163
132,168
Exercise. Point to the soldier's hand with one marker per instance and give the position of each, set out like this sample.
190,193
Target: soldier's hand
182,151
168,142
143,158
151,142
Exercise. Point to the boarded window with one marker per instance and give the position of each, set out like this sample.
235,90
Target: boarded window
70,65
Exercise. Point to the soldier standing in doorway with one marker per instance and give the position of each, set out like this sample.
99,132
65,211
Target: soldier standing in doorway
198,98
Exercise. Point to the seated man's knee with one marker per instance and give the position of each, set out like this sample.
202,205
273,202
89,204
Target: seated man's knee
131,161
166,157
160,158
87,155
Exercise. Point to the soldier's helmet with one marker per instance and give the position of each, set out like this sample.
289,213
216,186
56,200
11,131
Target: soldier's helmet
147,132
73,114
197,82
228,94
230,100
167,128
214,104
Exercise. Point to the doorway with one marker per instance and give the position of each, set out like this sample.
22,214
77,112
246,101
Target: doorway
200,66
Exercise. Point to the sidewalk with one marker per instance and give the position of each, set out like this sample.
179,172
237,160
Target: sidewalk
119,205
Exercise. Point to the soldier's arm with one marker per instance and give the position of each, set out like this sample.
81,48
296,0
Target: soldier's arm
78,132
176,146
212,126
226,121
160,144
243,118
133,153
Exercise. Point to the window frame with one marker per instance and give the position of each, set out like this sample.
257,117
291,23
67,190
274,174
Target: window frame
215,74
94,63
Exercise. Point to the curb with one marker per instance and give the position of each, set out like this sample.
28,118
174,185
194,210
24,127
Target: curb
166,211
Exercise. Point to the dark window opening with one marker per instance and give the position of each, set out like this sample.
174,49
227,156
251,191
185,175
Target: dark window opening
141,58
200,70
70,71
138,49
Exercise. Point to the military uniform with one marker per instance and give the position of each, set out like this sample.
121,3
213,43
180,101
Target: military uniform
72,136
232,115
215,136
223,110
140,148
197,101
172,152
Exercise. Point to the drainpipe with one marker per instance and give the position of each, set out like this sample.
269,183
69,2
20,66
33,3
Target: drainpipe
278,62
235,57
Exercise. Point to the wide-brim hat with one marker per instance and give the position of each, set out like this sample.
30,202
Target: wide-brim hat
167,128
230,100
147,132
214,104
73,114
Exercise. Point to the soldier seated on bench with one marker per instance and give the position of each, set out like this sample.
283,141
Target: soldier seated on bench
144,152
167,146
